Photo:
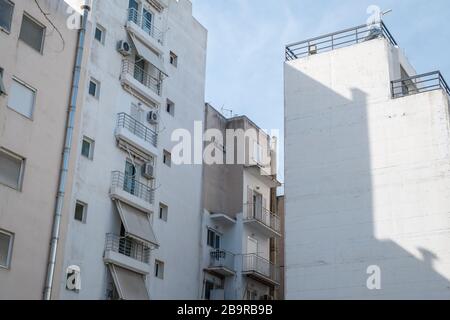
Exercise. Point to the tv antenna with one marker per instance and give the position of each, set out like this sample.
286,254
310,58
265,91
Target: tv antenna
223,110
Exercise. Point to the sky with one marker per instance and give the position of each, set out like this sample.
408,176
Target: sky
246,41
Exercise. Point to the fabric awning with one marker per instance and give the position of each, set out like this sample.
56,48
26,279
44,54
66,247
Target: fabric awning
129,285
148,54
136,223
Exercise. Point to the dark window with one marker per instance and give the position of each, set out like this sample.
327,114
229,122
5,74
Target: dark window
6,13
2,84
99,34
32,33
167,158
80,212
209,287
213,239
163,212
94,88
87,148
173,59
159,269
170,107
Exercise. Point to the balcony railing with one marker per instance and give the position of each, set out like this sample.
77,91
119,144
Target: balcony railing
137,128
252,263
418,84
338,40
266,217
151,82
146,25
132,186
128,247
221,259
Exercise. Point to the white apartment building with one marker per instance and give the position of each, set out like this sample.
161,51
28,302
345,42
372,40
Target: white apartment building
36,68
367,169
238,226
134,217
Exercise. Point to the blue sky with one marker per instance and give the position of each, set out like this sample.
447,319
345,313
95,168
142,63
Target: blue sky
246,40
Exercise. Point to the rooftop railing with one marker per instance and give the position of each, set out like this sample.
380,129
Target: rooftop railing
151,82
419,84
266,217
252,263
338,40
146,25
221,259
130,185
137,128
128,247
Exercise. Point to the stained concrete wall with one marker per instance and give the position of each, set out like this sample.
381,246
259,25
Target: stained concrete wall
367,179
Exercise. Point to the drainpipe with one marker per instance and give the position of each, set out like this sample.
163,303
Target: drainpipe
66,153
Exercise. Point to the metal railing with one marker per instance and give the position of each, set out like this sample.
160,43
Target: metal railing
252,263
137,128
132,186
338,40
221,259
146,25
418,84
151,82
128,247
261,214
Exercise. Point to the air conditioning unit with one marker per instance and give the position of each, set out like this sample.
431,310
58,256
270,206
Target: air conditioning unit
153,117
124,48
148,171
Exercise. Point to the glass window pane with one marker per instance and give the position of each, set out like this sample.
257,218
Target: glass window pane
93,88
86,149
5,240
32,33
79,212
10,169
21,99
6,12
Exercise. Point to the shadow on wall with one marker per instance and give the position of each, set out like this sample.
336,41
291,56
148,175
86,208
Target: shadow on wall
330,220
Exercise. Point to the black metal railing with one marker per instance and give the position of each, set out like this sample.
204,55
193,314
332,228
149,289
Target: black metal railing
128,247
151,82
137,128
146,25
338,40
252,263
266,217
132,186
221,259
418,84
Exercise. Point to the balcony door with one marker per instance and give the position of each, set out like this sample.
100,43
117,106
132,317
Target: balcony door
130,178
147,21
139,69
257,205
133,7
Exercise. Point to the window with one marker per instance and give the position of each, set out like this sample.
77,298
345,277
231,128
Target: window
159,269
170,107
11,169
209,287
2,85
167,158
100,34
94,88
32,33
163,212
6,12
173,59
213,239
22,98
6,243
80,211
87,148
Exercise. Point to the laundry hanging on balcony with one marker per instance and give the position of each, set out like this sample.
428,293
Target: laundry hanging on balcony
137,224
130,285
148,54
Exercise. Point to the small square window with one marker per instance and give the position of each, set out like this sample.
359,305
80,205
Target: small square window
163,212
170,107
32,33
100,34
6,13
22,98
159,269
6,244
87,148
167,158
80,211
94,88
11,169
173,59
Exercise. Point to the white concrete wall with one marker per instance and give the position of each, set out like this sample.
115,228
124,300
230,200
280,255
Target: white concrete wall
367,179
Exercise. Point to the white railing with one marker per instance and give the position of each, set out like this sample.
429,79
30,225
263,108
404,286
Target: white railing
266,217
146,25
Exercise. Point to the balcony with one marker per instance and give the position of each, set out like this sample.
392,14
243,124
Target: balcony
262,219
419,84
144,29
141,82
260,269
127,253
136,134
132,192
221,262
338,40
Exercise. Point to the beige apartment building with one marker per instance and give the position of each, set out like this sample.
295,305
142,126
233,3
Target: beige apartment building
37,56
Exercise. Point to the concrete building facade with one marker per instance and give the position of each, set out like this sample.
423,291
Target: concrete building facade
367,171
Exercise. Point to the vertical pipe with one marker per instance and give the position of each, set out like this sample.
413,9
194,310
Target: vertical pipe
66,154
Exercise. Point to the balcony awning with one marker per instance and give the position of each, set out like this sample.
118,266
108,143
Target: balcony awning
129,285
136,223
148,54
